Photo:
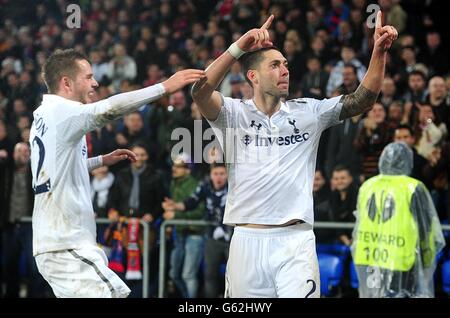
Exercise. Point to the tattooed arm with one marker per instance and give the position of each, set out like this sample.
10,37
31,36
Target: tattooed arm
366,94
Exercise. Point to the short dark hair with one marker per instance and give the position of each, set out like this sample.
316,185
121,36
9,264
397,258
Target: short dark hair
353,67
419,73
341,167
250,60
217,165
407,127
60,63
140,144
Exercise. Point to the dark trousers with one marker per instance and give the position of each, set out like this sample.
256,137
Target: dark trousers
17,243
216,252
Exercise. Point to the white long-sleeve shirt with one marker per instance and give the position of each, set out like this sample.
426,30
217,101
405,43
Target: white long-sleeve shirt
63,216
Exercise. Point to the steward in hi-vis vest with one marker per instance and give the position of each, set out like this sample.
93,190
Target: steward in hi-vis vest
397,233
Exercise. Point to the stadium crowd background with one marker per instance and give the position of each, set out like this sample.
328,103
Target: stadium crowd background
133,44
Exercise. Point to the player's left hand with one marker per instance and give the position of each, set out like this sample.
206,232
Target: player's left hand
384,36
118,155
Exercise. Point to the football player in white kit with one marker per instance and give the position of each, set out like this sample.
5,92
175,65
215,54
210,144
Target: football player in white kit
270,202
64,230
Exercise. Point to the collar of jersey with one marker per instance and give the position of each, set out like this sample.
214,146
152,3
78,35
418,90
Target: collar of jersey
249,102
57,98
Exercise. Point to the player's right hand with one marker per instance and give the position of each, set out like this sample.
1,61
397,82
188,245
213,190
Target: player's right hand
182,78
256,38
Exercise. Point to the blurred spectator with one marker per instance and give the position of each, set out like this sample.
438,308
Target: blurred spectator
340,149
349,80
154,75
292,52
101,184
313,23
322,210
121,67
372,137
234,75
408,64
438,99
430,132
18,198
415,93
404,133
348,56
213,194
132,132
187,253
137,189
343,201
394,14
339,12
314,82
137,192
394,114
99,67
165,115
434,54
439,175
6,144
388,92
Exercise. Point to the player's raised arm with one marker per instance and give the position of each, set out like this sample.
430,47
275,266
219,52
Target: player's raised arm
366,94
124,103
203,92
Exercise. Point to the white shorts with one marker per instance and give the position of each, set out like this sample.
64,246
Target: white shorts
81,273
275,262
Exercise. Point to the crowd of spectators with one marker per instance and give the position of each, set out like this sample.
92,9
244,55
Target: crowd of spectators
133,44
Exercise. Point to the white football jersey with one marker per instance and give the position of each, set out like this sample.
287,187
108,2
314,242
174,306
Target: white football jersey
63,216
271,161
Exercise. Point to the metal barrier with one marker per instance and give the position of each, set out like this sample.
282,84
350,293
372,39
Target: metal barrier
146,254
162,248
162,239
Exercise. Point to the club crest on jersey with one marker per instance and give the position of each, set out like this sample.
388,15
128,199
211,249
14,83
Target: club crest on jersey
292,123
84,150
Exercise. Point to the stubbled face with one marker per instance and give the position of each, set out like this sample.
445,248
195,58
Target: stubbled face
83,89
272,75
416,83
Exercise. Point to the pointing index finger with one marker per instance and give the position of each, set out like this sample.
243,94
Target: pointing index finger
268,22
378,21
